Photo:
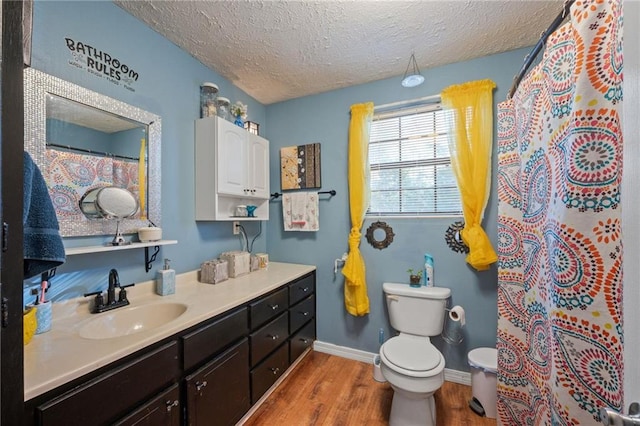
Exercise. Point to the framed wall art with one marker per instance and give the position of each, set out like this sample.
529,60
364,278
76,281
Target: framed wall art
300,167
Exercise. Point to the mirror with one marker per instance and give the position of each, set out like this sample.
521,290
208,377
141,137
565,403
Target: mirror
83,141
380,235
110,202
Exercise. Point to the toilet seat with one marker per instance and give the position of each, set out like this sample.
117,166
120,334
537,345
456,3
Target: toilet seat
412,357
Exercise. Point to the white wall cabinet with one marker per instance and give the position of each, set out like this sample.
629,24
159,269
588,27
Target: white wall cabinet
231,168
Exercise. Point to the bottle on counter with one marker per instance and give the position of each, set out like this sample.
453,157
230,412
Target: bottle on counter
166,282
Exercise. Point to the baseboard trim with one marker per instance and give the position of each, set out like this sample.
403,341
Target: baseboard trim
455,376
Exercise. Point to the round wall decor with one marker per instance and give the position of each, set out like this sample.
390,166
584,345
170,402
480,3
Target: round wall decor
454,239
380,235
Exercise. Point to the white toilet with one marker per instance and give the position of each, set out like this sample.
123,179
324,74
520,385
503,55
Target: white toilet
409,362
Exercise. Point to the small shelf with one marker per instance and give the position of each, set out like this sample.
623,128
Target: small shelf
98,249
148,260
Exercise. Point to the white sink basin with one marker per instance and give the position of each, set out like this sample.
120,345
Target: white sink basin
125,321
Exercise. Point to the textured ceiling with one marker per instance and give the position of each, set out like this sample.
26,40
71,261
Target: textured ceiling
279,50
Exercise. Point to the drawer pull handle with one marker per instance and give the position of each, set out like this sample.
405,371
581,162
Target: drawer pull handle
304,340
275,370
305,289
304,314
200,385
170,405
274,307
273,336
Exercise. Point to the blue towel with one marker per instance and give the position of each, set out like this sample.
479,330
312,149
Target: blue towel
43,248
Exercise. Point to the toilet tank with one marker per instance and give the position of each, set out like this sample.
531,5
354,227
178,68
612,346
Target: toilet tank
416,310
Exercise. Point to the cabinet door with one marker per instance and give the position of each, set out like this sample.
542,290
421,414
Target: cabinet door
218,393
301,313
259,166
268,372
163,410
302,340
113,394
233,159
269,337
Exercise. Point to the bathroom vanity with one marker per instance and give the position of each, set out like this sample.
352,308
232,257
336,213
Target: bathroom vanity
208,366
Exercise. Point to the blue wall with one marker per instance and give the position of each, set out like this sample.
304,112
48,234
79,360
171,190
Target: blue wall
168,85
324,118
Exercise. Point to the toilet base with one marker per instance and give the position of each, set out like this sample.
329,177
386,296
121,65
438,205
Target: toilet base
406,410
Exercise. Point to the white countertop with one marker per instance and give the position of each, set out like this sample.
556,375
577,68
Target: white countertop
60,355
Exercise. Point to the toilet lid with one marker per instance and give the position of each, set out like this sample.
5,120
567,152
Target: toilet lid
484,358
411,354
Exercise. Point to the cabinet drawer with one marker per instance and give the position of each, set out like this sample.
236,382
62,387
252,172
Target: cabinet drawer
301,288
206,341
301,313
268,307
302,340
269,337
120,389
266,374
163,410
218,393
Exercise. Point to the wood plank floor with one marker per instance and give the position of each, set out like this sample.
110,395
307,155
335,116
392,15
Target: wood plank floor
329,390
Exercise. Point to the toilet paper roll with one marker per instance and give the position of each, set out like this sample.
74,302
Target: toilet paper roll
456,314
452,332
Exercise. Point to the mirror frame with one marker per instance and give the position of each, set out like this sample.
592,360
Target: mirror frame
36,86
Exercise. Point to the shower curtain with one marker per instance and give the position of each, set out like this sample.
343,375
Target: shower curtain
560,334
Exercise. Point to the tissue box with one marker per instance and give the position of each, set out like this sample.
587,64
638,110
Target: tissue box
239,262
214,271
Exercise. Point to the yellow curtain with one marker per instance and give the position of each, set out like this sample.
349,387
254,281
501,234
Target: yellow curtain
470,143
355,286
142,178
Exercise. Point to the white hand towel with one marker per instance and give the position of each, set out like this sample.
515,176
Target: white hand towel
300,211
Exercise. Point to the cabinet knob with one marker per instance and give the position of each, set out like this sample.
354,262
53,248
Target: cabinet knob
170,404
200,385
304,314
275,370
274,307
305,289
273,336
304,340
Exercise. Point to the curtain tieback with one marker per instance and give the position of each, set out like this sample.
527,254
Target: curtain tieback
354,239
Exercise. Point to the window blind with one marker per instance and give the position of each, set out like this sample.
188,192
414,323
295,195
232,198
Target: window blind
410,164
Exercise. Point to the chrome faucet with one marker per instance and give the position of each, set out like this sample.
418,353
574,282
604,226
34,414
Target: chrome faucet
99,304
610,417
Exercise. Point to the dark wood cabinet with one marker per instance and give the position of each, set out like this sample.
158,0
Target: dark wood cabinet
113,394
163,410
206,341
218,393
209,374
266,339
265,374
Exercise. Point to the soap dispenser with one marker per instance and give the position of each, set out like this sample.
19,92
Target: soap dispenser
166,282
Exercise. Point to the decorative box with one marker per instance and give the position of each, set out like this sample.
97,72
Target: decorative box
239,262
263,260
255,263
214,271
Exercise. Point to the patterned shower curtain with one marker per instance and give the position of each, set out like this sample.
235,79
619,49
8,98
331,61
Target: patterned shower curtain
560,353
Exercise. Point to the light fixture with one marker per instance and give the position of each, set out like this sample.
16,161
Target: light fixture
414,78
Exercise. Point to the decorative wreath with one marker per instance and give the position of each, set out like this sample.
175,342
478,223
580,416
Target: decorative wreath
454,239
388,232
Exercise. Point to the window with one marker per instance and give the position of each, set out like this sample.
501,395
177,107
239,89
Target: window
410,165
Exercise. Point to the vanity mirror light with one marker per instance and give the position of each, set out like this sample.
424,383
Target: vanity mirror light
83,141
